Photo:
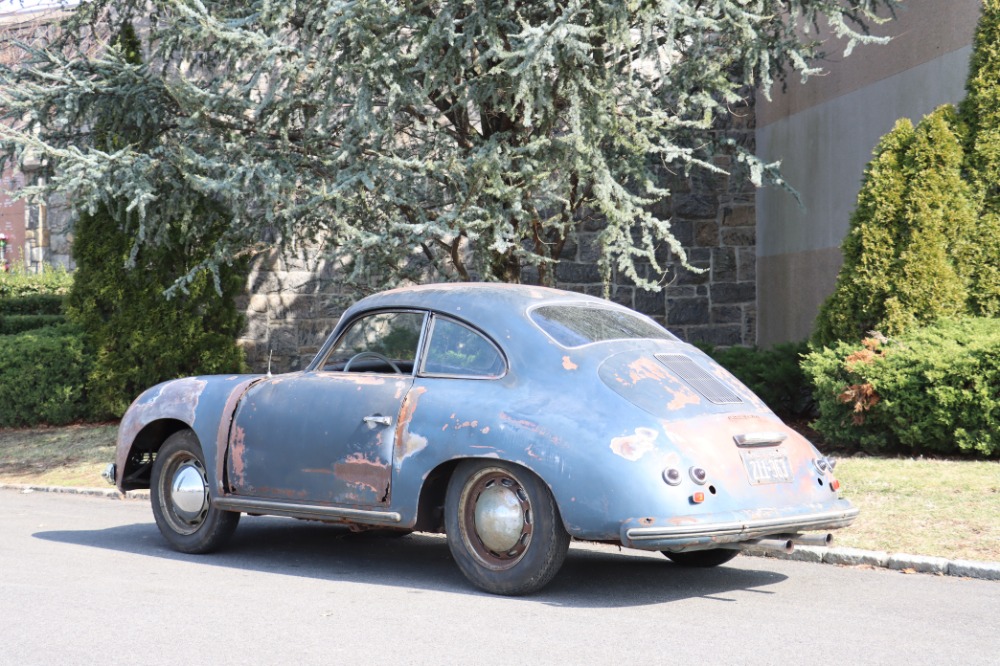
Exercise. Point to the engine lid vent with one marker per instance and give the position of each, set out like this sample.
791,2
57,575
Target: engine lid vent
700,380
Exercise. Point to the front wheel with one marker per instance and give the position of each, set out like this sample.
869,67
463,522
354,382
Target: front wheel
182,506
504,528
702,558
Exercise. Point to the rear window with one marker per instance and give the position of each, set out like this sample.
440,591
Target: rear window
578,325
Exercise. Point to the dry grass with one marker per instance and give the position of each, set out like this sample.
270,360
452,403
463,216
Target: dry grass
923,507
70,456
926,507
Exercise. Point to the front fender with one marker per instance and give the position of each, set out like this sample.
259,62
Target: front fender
203,404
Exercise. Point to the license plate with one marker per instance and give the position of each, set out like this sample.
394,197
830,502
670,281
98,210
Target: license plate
766,466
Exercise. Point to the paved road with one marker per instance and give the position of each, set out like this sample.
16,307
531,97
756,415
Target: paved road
87,580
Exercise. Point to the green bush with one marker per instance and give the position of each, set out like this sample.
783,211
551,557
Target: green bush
774,374
138,336
13,324
43,374
32,304
932,390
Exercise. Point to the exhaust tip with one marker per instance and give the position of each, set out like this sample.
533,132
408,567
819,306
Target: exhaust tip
822,540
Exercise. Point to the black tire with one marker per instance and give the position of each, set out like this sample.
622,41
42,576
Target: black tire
186,520
526,542
702,559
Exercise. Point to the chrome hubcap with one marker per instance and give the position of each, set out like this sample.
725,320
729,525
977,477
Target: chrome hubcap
499,517
189,492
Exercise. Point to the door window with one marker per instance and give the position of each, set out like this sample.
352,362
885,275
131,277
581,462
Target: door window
384,342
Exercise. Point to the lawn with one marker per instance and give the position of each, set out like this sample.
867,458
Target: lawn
917,506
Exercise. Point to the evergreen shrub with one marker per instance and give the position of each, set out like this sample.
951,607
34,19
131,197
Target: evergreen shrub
32,304
13,324
138,336
934,389
43,375
774,374
980,115
913,252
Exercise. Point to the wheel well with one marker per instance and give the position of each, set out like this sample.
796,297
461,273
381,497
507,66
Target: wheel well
430,512
139,464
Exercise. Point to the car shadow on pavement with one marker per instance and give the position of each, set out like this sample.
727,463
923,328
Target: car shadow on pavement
593,576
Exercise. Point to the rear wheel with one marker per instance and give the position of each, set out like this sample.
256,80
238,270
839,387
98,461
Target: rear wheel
702,558
504,528
181,503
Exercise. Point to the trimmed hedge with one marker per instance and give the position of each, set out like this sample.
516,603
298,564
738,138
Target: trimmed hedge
32,304
14,324
43,374
932,390
774,374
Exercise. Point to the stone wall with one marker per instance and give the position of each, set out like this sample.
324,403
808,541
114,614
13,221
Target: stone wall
296,302
293,303
716,227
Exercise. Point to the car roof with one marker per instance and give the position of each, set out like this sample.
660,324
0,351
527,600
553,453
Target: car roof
498,309
487,305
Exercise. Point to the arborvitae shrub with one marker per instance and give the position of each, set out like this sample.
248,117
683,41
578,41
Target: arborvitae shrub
980,114
140,337
931,390
912,250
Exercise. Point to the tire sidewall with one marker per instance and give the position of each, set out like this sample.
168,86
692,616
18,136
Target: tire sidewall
549,540
217,526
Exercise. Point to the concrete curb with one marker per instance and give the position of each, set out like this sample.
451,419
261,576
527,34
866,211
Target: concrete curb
840,556
108,493
901,562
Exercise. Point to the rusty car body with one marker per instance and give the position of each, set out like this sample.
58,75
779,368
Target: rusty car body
513,418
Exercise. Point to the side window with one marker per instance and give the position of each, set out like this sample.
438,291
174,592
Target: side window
457,350
382,342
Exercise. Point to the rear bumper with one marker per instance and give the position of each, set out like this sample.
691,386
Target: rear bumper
712,530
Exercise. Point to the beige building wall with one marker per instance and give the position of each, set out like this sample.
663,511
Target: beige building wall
824,132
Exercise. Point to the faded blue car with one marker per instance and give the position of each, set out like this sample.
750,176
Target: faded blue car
513,418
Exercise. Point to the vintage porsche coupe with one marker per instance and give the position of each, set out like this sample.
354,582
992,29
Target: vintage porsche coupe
513,418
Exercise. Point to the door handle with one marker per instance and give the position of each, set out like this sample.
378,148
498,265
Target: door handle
378,420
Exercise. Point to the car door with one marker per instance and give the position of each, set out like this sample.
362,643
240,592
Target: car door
326,436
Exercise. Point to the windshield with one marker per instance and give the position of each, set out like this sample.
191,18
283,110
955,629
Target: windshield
578,325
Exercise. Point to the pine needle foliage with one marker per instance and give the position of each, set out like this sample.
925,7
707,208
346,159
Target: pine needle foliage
912,254
475,135
137,336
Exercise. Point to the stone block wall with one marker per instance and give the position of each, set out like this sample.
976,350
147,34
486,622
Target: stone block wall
717,306
293,303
